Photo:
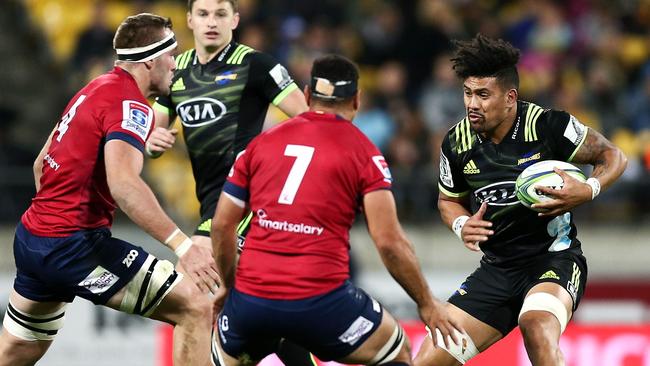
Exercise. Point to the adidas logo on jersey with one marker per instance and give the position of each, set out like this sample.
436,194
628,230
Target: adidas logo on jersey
178,85
470,168
549,274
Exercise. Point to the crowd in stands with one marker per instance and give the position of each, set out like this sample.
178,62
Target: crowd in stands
588,57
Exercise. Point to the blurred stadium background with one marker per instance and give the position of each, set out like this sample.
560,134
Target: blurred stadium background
590,58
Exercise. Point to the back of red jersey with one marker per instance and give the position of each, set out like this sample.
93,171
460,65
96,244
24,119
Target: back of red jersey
305,179
74,194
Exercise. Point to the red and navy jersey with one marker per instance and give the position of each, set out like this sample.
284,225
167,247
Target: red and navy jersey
74,194
304,180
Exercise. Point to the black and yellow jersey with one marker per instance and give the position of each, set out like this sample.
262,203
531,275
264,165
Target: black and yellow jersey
471,165
222,105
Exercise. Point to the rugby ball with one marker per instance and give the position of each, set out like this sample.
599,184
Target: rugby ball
542,174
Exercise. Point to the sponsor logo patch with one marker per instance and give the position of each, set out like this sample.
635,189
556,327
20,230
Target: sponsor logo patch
301,228
281,76
574,284
137,118
200,111
549,274
357,329
381,164
498,194
99,280
529,158
445,171
471,168
462,290
225,78
575,131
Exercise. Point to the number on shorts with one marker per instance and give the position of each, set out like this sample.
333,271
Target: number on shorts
65,121
130,258
303,155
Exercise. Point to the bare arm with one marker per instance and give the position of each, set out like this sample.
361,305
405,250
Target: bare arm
123,167
475,230
294,103
38,163
224,245
224,237
451,207
399,258
132,194
608,160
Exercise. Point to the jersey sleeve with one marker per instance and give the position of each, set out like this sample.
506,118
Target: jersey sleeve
450,180
238,179
272,78
375,173
128,120
163,104
563,133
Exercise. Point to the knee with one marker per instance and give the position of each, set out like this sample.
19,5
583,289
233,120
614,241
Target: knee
14,351
537,329
195,305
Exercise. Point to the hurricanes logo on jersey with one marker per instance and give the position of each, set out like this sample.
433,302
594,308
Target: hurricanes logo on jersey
225,78
471,168
529,159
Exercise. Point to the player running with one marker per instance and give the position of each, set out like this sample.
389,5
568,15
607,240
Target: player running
90,164
533,272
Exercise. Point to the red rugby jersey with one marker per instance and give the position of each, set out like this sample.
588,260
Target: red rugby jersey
74,194
305,178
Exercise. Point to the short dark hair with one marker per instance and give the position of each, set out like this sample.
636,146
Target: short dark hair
140,30
486,57
334,68
233,3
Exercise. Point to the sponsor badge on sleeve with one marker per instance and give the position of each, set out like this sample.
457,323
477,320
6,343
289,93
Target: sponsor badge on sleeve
137,118
381,164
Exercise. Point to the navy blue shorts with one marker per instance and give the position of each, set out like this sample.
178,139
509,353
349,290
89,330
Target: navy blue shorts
331,326
89,263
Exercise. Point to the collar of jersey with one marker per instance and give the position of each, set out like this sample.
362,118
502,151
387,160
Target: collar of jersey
121,71
220,57
323,115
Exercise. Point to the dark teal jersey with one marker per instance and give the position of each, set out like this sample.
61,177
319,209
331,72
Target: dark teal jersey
473,166
222,106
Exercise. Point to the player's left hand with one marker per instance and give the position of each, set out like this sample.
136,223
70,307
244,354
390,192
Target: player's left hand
572,194
437,317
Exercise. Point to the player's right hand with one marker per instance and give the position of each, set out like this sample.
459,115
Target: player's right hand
435,317
476,230
198,263
160,140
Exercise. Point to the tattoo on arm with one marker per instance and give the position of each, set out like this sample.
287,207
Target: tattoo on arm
595,144
593,151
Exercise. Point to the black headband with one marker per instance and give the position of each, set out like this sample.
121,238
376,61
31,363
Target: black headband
325,89
146,53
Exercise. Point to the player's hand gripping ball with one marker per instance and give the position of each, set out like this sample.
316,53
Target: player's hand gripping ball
542,174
